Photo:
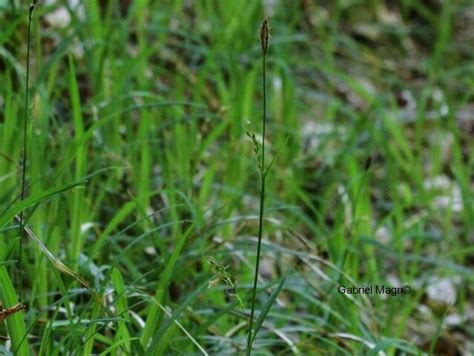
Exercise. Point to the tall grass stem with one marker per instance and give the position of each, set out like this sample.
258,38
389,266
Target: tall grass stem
24,154
264,43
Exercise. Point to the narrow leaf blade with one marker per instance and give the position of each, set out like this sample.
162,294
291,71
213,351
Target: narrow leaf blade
266,308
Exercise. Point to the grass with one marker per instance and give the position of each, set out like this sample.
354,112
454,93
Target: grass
263,175
139,173
25,150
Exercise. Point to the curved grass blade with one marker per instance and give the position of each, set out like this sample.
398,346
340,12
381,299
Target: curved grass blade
386,344
8,216
54,261
165,278
15,323
158,345
266,308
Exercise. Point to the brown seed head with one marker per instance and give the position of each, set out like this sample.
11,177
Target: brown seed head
264,36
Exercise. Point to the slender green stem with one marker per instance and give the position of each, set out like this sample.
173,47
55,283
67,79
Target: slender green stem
250,336
24,154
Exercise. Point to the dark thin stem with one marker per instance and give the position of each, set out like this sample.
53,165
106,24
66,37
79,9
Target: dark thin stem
24,154
251,337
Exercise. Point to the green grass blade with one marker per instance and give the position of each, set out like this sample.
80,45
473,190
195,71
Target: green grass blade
266,308
35,199
15,323
60,266
122,335
78,208
158,346
165,279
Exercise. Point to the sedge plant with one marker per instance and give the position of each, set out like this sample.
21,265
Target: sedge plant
18,214
16,325
24,155
263,174
25,147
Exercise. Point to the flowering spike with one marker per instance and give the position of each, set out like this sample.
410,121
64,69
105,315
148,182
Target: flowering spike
264,36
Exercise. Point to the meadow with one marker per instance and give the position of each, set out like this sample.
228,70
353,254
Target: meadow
131,176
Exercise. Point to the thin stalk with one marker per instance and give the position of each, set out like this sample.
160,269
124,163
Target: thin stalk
263,175
24,154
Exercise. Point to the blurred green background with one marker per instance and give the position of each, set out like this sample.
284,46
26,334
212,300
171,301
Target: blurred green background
139,171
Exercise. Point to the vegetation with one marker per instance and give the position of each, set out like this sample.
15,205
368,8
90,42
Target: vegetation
138,227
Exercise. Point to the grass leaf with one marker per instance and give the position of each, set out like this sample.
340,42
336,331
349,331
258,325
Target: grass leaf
157,343
266,308
33,199
15,323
